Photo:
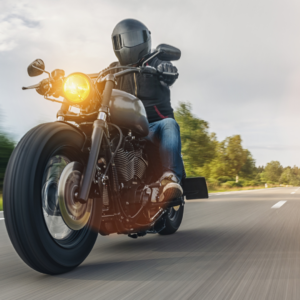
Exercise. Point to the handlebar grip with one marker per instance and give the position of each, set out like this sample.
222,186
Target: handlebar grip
35,86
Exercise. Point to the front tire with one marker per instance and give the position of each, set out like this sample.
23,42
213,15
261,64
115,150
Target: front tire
24,204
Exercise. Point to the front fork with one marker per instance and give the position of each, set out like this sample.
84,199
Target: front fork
98,130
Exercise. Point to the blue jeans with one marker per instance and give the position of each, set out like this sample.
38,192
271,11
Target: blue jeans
165,134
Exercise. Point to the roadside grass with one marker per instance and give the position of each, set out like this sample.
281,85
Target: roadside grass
1,203
246,188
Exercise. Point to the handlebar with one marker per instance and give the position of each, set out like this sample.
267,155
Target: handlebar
144,70
125,72
35,86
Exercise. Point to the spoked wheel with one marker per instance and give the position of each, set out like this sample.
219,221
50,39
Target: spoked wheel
50,229
173,219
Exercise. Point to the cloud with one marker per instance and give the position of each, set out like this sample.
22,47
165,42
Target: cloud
240,60
14,18
16,23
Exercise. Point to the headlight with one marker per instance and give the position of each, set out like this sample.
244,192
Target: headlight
77,88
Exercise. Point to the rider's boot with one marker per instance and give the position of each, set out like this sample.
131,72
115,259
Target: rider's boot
170,187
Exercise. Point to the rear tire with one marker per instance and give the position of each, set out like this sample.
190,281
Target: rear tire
23,205
173,220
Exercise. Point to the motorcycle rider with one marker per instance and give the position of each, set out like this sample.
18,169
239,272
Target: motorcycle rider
131,41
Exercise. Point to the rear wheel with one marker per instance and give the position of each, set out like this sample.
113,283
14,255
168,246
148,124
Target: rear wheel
173,219
37,208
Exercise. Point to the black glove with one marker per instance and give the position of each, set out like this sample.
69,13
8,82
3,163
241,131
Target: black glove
54,90
44,87
169,68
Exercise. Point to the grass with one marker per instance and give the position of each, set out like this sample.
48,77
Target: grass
1,203
238,189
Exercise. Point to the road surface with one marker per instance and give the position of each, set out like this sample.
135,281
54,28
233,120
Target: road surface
239,245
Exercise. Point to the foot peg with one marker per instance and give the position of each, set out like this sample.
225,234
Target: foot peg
136,235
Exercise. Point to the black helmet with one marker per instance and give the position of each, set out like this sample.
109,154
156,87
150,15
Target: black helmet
131,41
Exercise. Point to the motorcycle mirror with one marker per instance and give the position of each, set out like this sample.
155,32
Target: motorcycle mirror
36,68
167,52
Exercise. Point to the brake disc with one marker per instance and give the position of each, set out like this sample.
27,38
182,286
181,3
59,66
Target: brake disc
74,213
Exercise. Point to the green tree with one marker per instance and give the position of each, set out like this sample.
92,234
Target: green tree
232,156
198,147
272,172
286,176
221,162
248,170
6,148
230,161
289,176
296,170
217,166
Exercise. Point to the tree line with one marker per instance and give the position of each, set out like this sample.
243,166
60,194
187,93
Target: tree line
6,147
226,163
223,164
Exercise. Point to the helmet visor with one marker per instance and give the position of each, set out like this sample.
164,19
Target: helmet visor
130,39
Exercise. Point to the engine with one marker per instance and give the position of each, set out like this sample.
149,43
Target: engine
130,162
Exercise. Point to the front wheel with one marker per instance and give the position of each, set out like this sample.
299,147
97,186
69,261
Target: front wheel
35,214
173,219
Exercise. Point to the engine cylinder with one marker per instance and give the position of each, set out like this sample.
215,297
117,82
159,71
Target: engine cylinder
130,163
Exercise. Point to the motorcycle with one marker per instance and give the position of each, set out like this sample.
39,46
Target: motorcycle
87,172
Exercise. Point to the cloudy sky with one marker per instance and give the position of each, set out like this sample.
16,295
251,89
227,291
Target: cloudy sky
240,65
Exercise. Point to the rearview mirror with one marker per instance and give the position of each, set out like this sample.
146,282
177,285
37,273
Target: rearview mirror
36,68
167,52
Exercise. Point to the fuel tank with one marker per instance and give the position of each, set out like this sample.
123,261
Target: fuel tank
127,111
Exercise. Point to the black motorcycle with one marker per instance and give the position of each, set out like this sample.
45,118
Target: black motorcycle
88,172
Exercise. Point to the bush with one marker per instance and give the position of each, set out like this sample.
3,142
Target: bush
231,184
254,183
241,182
212,184
223,179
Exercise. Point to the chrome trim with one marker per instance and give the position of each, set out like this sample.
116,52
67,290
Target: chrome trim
168,73
53,100
42,71
150,58
102,116
60,118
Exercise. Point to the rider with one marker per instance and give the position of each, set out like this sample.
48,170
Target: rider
132,45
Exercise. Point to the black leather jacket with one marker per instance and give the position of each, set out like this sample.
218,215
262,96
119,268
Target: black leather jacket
154,93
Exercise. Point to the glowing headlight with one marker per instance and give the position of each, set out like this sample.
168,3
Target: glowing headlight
77,88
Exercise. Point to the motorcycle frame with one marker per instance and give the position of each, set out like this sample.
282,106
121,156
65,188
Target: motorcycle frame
99,119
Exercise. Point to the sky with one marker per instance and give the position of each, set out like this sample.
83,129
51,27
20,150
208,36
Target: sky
240,63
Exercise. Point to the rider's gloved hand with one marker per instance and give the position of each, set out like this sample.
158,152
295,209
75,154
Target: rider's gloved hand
44,87
169,68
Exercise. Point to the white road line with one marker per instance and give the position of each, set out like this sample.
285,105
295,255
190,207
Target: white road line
1,218
295,191
278,204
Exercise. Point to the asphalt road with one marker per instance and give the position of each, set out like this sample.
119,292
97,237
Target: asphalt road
231,246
